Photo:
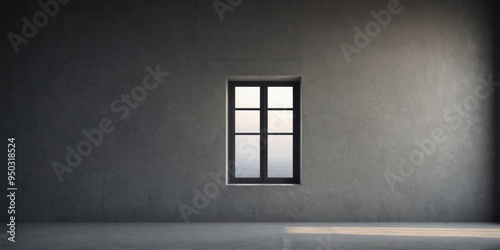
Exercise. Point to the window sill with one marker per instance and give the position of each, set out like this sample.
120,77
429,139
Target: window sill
263,184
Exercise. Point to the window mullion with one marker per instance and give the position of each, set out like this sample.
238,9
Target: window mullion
231,134
263,132
296,133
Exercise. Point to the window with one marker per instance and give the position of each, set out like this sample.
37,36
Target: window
264,132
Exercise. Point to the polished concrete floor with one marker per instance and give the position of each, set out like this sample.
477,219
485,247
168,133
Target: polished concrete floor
204,236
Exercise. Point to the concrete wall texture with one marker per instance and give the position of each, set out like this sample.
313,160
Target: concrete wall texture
402,132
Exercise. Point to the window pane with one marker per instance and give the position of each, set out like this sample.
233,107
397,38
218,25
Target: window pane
247,97
280,121
280,97
280,156
247,122
247,156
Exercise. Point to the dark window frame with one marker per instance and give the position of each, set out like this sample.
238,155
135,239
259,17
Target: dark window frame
263,179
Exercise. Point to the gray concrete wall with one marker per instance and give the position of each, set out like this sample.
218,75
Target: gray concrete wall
418,80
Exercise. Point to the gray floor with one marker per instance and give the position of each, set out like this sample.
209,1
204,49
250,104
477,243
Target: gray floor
314,236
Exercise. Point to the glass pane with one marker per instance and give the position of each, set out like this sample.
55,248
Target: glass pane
247,156
280,97
247,97
247,121
280,156
280,121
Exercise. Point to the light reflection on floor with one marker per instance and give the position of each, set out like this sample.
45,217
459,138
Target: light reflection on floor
255,236
399,231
